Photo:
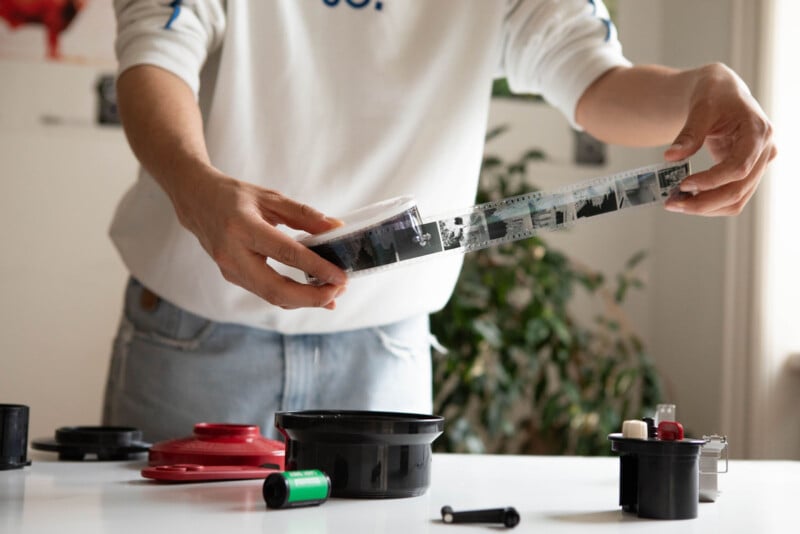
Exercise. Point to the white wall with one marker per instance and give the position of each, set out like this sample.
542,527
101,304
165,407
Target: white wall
60,278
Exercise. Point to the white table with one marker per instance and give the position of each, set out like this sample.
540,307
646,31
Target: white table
552,494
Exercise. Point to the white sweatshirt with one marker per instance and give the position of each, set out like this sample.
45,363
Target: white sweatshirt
339,104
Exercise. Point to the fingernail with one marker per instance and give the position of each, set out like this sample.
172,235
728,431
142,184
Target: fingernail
689,187
677,145
334,221
677,208
340,291
338,279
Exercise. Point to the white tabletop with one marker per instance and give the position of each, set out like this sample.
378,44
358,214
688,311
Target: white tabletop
552,494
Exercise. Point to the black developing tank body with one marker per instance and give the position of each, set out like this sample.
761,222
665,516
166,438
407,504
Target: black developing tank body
658,479
366,454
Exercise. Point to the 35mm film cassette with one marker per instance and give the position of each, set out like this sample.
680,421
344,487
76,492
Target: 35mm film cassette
392,233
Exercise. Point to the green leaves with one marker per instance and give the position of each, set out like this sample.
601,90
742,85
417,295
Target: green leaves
489,331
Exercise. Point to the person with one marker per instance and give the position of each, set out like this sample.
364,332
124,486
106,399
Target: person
258,121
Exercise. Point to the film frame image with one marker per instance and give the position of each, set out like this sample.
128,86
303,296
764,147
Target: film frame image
361,251
596,200
509,221
466,231
552,212
638,190
419,241
668,179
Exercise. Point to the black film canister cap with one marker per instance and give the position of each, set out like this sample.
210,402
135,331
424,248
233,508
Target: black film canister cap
275,491
13,436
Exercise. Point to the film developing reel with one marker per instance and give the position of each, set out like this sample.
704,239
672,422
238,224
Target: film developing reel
392,233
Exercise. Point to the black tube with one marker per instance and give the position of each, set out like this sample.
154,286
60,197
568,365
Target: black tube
506,516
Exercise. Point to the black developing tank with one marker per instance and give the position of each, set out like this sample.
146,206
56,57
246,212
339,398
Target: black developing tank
365,454
658,479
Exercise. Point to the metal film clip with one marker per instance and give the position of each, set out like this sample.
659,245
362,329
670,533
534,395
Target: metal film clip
710,455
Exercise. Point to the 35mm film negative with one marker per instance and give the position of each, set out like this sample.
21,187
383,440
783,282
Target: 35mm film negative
393,233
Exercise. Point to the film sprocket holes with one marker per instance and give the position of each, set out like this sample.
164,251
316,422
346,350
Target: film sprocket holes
392,232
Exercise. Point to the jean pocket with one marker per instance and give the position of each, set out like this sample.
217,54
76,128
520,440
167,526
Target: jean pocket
158,321
408,339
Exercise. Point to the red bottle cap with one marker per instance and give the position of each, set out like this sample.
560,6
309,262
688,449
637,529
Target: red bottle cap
670,431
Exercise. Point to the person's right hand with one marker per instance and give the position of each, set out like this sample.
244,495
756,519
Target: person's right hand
235,223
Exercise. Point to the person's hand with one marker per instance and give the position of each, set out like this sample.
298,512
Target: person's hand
725,117
235,223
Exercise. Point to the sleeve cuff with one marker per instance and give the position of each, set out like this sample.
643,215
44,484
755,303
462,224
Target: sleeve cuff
148,33
186,72
575,76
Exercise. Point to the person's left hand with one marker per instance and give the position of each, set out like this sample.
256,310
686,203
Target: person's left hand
725,117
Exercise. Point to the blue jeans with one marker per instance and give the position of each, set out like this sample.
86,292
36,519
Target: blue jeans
171,369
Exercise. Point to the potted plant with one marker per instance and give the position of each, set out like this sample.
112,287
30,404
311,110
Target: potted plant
520,373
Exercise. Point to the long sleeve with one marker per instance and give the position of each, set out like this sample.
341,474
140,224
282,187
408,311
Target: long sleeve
557,48
176,36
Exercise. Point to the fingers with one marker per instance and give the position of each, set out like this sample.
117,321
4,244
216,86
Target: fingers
727,199
270,242
255,275
736,208
734,129
692,136
234,222
277,208
744,154
247,238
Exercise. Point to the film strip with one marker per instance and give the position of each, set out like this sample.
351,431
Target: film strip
392,232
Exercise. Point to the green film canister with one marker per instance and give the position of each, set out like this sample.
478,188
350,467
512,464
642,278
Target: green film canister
291,489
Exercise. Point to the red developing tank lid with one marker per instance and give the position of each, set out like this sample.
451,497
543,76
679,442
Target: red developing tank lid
220,444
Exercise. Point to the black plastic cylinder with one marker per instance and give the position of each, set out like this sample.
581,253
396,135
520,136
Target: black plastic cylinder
366,454
659,479
13,436
668,486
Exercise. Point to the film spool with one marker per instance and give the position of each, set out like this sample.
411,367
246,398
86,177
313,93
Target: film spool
292,489
106,443
392,232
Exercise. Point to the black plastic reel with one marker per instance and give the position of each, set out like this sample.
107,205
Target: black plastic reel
107,443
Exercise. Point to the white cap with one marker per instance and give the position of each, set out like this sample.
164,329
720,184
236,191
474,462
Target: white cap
634,429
